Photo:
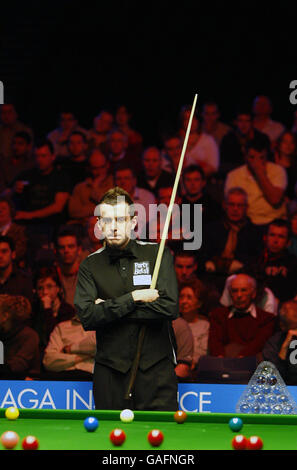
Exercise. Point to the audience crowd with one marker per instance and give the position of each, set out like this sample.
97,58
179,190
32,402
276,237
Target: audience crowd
237,195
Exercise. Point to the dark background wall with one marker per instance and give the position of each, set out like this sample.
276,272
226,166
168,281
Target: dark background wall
153,57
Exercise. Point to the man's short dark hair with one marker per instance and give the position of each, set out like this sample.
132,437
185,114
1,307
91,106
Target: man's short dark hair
82,135
281,223
259,143
23,135
45,143
192,169
8,240
68,231
124,167
111,197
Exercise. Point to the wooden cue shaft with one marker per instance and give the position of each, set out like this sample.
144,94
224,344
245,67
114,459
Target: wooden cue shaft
172,199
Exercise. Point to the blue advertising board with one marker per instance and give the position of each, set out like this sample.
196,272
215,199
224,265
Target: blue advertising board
33,394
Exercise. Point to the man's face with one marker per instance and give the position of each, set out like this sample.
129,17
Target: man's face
5,217
8,115
44,158
254,155
277,239
117,143
235,207
67,122
187,301
103,122
185,120
184,267
173,148
98,164
68,249
194,183
261,106
288,317
20,147
210,114
287,145
6,255
244,123
47,287
125,180
164,196
152,163
242,292
116,224
122,116
77,145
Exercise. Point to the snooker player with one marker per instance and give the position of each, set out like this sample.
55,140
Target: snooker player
114,298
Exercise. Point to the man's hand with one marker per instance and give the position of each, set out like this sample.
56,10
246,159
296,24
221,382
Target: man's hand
145,295
46,301
257,165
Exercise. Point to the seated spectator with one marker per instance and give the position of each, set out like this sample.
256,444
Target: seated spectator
70,352
9,126
75,165
13,281
233,146
125,178
184,348
92,242
171,153
278,348
185,265
49,307
153,176
262,109
118,153
191,298
102,125
292,247
202,149
265,298
194,182
21,159
40,196
87,194
123,118
242,329
264,182
59,137
14,231
285,155
231,241
21,352
68,251
276,266
211,123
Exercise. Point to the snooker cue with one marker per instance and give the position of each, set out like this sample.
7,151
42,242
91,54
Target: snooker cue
128,395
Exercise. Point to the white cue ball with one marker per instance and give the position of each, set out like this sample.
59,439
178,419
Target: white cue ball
127,416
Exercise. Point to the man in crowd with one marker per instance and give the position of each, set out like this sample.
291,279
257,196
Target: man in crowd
242,329
9,126
153,177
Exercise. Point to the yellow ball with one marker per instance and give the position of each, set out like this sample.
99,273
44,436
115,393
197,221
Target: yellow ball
12,413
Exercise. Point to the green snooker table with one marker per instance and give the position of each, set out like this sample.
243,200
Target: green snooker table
64,430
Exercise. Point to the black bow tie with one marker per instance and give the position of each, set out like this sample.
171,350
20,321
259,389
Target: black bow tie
115,254
240,314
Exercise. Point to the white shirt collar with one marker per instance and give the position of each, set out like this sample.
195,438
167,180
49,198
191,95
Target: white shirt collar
251,310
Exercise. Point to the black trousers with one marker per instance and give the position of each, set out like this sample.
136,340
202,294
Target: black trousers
154,390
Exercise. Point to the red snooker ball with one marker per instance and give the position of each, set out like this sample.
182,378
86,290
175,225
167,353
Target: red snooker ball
254,443
239,442
30,443
155,437
117,437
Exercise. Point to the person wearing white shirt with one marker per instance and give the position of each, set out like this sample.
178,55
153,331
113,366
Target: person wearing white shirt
263,181
262,109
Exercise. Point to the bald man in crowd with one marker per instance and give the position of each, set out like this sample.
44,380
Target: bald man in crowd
242,329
